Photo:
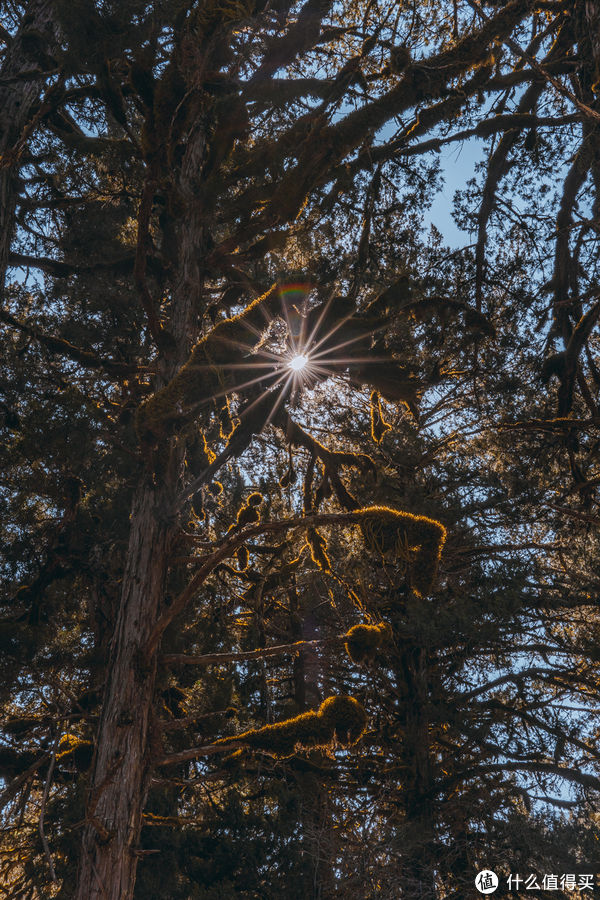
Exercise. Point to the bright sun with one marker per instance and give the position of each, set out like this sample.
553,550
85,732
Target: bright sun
298,362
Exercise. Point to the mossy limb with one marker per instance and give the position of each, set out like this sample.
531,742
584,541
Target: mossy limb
200,378
338,718
416,539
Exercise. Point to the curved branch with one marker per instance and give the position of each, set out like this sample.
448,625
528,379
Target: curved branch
65,348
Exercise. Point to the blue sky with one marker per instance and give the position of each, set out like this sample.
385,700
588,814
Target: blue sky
458,163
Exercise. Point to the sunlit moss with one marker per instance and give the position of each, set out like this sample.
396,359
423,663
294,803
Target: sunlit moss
226,424
363,641
75,751
318,549
379,426
215,488
340,719
417,540
248,513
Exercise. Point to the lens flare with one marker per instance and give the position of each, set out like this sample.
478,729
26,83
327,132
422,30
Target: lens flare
298,362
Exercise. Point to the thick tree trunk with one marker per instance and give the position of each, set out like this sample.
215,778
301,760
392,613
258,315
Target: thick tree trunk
120,780
123,765
18,96
418,828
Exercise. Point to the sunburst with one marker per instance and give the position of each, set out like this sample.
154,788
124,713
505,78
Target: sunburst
287,358
297,363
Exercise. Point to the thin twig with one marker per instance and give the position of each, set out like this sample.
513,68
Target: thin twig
183,659
43,809
540,69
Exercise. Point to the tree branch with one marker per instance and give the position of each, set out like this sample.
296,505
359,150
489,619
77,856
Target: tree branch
183,659
64,348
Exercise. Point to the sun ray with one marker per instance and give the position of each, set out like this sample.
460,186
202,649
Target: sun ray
303,342
333,330
240,387
322,315
230,366
279,400
252,351
347,360
289,324
353,340
272,389
321,370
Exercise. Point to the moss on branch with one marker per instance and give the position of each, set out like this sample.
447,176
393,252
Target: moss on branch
363,641
417,540
340,719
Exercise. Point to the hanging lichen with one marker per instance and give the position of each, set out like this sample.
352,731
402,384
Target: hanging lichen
318,549
340,719
324,490
289,477
363,641
226,423
243,557
379,426
307,496
415,539
248,513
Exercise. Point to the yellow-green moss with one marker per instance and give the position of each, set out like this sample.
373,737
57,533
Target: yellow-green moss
346,716
417,540
363,641
226,424
248,513
74,751
338,718
318,549
379,426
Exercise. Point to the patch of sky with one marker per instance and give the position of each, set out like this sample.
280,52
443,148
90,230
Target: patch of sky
458,165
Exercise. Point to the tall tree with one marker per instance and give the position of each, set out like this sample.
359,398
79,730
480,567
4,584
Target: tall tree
210,191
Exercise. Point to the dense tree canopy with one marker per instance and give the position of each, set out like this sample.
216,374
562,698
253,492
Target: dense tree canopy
300,544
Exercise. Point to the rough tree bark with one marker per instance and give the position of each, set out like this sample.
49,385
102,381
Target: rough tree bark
119,784
419,832
122,768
